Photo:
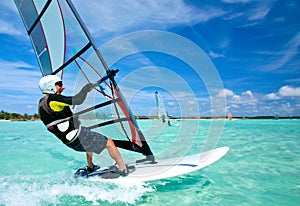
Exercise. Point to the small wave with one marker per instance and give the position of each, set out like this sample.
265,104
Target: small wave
11,138
48,189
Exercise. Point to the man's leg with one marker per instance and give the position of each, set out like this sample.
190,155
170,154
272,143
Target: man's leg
115,154
91,167
89,159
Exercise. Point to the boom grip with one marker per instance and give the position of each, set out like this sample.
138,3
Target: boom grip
109,74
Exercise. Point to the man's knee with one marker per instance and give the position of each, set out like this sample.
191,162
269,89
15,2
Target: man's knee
110,143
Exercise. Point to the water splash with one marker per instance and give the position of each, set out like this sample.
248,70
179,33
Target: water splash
55,188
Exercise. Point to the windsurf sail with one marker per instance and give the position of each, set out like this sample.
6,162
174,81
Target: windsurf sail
162,113
64,47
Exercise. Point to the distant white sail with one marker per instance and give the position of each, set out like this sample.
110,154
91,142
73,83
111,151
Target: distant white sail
162,112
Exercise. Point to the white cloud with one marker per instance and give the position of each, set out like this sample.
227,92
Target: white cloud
8,6
8,28
8,65
248,13
272,96
116,18
245,98
284,92
284,56
236,98
215,55
20,76
10,20
171,104
296,80
287,91
261,11
191,102
248,103
248,93
225,93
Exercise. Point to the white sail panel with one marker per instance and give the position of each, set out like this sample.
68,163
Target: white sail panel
54,32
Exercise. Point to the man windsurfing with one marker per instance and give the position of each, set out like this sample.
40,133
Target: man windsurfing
56,114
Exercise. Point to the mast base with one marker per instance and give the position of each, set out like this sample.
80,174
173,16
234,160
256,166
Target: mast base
149,158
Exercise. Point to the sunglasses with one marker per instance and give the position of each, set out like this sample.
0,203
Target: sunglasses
60,84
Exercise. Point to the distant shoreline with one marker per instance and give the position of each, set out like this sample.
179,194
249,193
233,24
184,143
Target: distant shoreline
6,116
222,118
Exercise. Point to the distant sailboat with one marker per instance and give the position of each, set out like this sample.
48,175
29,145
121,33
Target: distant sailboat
161,110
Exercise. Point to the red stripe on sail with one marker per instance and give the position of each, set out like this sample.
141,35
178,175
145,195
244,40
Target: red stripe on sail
135,136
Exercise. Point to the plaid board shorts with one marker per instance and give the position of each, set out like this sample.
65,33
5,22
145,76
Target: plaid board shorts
89,141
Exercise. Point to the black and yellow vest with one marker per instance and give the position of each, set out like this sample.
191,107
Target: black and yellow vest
59,121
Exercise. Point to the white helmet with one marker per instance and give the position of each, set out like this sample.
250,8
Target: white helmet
47,84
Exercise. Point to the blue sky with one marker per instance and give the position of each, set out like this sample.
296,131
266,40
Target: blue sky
253,44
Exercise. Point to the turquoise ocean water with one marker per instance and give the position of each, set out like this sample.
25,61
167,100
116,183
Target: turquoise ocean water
261,168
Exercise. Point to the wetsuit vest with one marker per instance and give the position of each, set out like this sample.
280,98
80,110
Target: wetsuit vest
61,123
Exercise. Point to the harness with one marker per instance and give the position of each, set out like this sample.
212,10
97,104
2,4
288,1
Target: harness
63,127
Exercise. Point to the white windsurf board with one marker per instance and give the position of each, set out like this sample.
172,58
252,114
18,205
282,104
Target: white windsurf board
166,168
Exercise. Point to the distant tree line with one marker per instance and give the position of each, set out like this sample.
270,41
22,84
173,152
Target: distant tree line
16,116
